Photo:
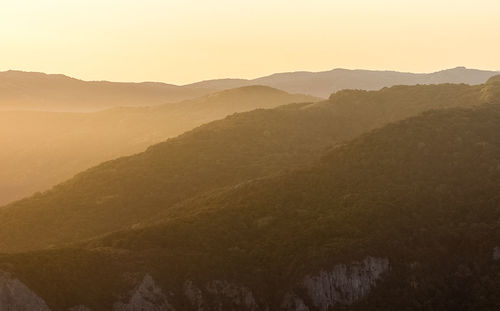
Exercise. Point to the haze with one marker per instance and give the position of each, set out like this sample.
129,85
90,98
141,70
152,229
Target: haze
194,155
162,40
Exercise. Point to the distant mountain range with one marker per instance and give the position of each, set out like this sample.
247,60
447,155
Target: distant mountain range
55,92
324,83
38,91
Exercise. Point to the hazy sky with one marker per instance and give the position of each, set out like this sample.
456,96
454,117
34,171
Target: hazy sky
181,41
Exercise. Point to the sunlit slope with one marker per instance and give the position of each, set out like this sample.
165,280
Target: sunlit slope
41,149
422,193
131,190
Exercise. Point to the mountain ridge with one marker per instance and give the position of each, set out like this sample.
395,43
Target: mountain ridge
41,149
127,191
38,91
386,221
337,79
54,92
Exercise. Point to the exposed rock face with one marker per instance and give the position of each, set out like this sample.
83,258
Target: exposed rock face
15,296
344,284
225,293
195,296
293,302
146,297
496,253
220,295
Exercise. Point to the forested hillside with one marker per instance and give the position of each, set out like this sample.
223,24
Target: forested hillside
421,193
132,190
41,149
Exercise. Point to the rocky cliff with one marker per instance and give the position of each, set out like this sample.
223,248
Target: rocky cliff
147,296
15,296
343,284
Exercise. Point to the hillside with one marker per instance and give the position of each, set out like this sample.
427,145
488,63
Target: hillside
130,191
38,91
42,149
322,84
402,218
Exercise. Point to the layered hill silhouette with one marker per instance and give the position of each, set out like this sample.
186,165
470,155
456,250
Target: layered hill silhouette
404,217
131,191
322,84
54,92
41,149
37,91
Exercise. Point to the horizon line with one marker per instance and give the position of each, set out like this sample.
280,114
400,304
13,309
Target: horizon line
248,79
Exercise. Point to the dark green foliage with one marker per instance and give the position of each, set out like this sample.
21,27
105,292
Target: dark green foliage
491,90
423,192
135,190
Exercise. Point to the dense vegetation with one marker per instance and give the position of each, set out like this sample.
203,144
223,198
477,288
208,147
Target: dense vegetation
42,149
129,191
422,192
432,181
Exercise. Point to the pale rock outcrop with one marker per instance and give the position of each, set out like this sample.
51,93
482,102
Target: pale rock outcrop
293,302
344,284
146,297
496,253
226,292
220,295
79,308
15,296
195,296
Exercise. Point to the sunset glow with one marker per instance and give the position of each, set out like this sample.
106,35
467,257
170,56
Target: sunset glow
182,41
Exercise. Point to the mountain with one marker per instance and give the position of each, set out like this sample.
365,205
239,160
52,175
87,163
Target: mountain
41,149
38,91
129,192
402,218
322,84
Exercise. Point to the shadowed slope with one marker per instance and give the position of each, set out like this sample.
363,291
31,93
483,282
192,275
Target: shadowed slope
125,192
422,192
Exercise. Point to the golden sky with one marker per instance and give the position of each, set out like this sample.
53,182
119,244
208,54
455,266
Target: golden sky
181,41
